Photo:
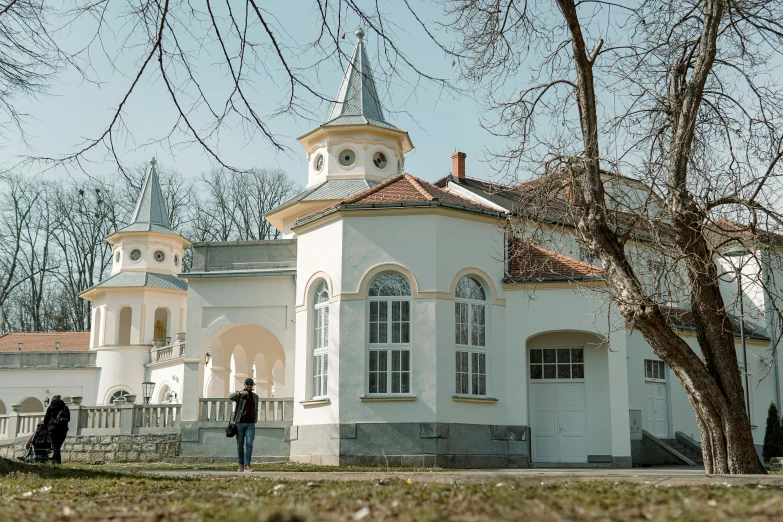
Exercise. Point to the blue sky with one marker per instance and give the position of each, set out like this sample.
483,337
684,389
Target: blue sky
439,123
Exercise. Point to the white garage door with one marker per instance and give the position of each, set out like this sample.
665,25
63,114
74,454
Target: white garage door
557,404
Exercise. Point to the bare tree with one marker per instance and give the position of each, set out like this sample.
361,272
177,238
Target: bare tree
87,215
698,119
236,202
17,202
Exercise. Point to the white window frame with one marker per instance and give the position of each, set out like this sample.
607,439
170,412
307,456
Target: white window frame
320,352
389,348
474,351
543,363
655,364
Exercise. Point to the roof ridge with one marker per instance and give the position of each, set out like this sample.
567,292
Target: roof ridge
370,190
415,182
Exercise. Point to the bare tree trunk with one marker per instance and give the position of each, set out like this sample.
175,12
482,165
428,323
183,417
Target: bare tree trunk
712,383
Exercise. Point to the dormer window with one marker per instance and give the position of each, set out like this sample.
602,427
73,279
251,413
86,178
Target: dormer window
135,254
159,256
319,163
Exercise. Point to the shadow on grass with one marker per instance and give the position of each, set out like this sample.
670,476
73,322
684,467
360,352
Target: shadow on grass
49,470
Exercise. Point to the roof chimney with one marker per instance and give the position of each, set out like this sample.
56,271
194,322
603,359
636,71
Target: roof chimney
458,164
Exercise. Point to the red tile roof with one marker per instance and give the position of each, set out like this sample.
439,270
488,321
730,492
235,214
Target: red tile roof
528,262
402,188
44,342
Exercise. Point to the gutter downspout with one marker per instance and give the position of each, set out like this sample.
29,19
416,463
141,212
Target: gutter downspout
742,334
773,326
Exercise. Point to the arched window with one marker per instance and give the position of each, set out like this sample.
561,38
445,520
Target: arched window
389,336
119,394
126,319
320,339
470,337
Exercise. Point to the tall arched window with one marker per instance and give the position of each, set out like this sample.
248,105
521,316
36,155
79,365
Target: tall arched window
390,335
320,339
470,337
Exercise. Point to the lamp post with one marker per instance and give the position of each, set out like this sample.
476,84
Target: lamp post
147,388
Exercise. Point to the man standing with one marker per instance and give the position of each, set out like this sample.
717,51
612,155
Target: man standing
245,415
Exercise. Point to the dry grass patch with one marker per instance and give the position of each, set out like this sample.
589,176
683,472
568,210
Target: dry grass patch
43,493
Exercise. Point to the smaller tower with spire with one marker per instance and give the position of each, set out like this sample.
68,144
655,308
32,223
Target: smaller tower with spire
356,141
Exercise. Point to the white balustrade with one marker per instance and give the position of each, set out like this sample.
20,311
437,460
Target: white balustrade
165,353
5,421
157,416
28,422
269,409
100,417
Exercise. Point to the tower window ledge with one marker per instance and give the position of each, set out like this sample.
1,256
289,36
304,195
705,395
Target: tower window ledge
315,402
388,398
474,399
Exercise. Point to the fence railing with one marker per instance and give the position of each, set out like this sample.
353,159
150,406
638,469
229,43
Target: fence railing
269,410
19,424
157,416
165,353
100,417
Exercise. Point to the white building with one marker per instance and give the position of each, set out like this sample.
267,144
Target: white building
392,322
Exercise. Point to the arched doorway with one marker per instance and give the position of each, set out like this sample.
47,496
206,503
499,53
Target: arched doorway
3,411
31,405
239,352
568,385
161,325
126,320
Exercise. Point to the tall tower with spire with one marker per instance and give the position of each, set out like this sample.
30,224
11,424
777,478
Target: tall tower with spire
141,305
356,141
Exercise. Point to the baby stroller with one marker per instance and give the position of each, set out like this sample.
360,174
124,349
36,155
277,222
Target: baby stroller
39,446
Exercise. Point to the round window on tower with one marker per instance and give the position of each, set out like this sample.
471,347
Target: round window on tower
319,162
176,260
380,161
117,257
347,158
135,254
159,256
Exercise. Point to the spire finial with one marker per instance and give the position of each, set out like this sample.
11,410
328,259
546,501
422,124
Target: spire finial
153,162
359,33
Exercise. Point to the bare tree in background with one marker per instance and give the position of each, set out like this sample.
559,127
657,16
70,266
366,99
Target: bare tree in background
17,202
86,213
681,94
236,202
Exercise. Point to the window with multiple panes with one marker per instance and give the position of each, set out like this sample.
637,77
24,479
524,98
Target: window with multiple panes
470,311
654,370
389,368
557,363
320,339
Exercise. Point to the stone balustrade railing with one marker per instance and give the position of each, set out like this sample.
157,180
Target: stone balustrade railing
165,353
158,416
269,409
117,419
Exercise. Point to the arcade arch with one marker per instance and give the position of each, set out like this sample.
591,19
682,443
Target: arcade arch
126,320
31,405
3,411
241,351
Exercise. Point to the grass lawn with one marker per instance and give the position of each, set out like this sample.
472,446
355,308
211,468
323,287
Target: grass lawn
91,493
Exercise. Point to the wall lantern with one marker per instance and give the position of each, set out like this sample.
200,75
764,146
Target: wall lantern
57,345
46,402
208,356
147,388
19,346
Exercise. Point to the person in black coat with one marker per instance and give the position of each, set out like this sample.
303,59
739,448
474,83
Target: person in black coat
56,421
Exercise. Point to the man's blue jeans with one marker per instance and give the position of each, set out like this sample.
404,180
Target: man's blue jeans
246,433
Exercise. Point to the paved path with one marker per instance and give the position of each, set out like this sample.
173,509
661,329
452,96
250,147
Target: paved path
679,476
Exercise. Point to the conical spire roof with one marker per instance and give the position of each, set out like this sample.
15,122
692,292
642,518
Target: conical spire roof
357,100
150,214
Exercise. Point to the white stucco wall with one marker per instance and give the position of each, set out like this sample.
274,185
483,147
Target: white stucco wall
17,385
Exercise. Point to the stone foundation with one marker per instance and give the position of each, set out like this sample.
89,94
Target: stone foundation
414,444
95,449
